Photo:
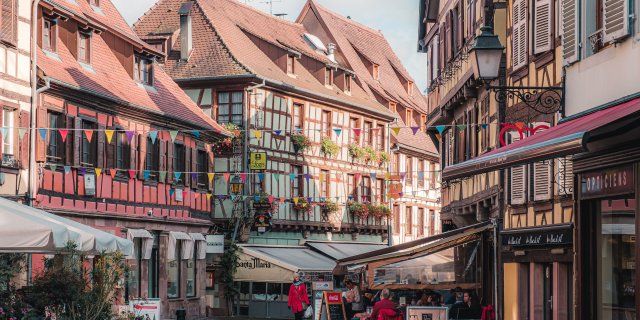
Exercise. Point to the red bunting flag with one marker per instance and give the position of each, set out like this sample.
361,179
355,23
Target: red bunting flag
113,173
63,134
89,134
356,131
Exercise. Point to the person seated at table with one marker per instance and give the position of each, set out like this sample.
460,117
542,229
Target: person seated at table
384,306
367,299
424,300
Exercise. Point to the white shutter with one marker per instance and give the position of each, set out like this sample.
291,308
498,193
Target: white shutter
541,174
429,64
519,34
436,57
542,26
616,19
518,178
565,176
570,36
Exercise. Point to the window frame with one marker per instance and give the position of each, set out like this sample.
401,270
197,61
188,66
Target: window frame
354,123
365,189
326,122
50,33
367,140
380,191
179,162
408,166
143,70
298,116
296,182
291,65
121,147
421,169
325,184
86,57
152,159
421,217
230,102
9,142
347,83
201,167
396,219
351,187
380,137
375,72
92,154
178,260
328,76
60,146
194,260
408,220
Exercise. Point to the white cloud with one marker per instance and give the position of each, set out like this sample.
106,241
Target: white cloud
398,21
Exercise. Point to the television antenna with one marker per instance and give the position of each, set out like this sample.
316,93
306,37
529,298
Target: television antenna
269,2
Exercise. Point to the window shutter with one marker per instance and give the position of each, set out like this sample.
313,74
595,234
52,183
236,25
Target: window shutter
23,143
169,161
162,163
518,178
77,139
460,30
542,26
565,176
9,21
616,19
447,39
210,156
194,167
132,152
41,122
519,34
541,174
188,159
451,147
111,152
142,154
570,36
101,145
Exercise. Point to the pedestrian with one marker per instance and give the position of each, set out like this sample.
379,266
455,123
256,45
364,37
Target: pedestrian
385,306
298,298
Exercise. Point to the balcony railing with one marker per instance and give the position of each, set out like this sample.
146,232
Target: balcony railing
9,160
595,39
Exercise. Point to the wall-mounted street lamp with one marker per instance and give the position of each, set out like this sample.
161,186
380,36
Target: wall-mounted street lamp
486,55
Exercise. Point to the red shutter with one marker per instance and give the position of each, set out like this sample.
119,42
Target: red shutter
41,149
142,154
101,145
169,161
24,142
8,21
448,38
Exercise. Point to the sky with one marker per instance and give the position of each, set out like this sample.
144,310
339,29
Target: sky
398,21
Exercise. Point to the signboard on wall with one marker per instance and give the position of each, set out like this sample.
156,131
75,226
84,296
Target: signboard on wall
258,161
215,243
146,309
250,268
538,237
609,182
90,184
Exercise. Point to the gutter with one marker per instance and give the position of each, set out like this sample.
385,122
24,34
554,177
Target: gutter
31,183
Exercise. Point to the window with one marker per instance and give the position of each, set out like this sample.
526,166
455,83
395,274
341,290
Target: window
49,35
410,88
230,107
376,72
409,169
380,191
84,44
179,161
203,166
89,150
396,219
191,271
347,83
325,184
55,147
421,172
354,123
135,270
8,121
95,3
122,154
395,164
298,116
423,123
380,138
9,21
154,269
408,116
365,189
173,272
485,133
408,227
432,222
291,64
368,136
351,187
326,123
328,76
152,159
432,169
296,182
143,70
392,106
421,218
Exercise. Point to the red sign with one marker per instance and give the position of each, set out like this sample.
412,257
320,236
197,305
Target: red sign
334,298
615,181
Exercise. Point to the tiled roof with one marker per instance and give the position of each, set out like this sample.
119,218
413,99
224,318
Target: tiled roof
108,77
226,36
355,40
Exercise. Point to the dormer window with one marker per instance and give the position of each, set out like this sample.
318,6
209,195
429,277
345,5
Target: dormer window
95,3
347,83
408,116
410,87
392,106
328,76
49,35
291,64
376,72
143,70
84,47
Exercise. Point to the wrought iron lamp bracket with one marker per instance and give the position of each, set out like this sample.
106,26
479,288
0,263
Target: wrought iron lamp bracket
545,100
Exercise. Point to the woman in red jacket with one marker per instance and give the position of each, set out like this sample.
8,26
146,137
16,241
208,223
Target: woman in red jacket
298,298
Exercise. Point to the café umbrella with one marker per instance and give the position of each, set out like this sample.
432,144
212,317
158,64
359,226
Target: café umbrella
27,229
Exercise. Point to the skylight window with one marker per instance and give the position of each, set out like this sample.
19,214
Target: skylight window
315,43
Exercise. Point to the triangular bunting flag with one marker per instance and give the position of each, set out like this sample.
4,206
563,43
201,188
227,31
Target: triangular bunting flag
484,125
307,177
357,131
210,176
171,192
98,172
53,167
196,133
309,199
373,176
132,174
243,176
221,196
396,130
281,199
401,194
257,133
67,169
226,176
260,177
292,176
461,127
146,175
83,170
153,135
338,132
277,132
415,130
256,198
21,132
43,133
440,129
177,175
163,175
129,134
233,198
276,176
295,200
194,175
113,173
420,175
271,199
109,135
402,174
350,197
209,196
173,134
89,134
63,134
387,176
184,194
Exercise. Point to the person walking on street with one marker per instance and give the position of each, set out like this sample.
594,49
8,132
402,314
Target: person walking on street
298,298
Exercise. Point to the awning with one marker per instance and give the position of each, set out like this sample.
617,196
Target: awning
202,247
278,263
341,250
147,241
27,229
573,135
187,245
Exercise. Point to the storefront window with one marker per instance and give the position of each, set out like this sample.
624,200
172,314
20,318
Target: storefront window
259,291
191,272
616,268
173,271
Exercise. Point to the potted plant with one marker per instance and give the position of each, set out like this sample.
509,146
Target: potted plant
329,148
358,209
225,146
302,205
300,142
327,208
379,211
370,155
384,158
356,152
263,199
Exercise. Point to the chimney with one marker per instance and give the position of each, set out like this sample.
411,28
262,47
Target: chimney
331,51
186,34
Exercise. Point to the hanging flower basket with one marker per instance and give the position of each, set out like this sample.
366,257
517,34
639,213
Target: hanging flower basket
370,155
384,158
300,142
329,148
356,152
225,146
302,205
379,211
358,210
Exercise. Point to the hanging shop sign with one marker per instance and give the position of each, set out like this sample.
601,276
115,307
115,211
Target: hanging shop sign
610,182
538,237
262,222
215,243
258,161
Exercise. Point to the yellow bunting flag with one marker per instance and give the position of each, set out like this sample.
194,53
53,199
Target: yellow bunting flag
98,172
295,200
208,196
396,130
109,134
210,175
257,133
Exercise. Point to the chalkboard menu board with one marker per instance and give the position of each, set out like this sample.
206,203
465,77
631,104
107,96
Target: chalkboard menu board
332,307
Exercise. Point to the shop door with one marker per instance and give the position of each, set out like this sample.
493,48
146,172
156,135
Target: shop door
548,291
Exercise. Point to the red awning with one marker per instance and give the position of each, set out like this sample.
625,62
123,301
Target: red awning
569,137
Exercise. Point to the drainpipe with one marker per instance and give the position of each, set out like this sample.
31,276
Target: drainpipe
32,174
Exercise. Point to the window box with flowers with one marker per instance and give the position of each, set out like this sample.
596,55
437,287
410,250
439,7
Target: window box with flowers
329,148
359,210
379,211
301,205
225,146
328,208
266,202
384,158
370,155
300,142
356,152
